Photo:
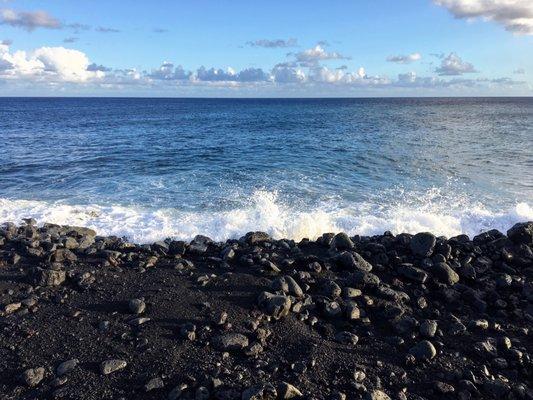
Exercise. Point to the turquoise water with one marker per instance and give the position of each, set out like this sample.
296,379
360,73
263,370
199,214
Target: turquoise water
154,168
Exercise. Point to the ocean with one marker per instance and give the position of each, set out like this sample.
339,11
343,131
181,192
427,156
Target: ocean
149,169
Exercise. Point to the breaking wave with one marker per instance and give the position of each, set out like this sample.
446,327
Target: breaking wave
266,212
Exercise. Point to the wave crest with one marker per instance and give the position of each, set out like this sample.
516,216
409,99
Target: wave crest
266,212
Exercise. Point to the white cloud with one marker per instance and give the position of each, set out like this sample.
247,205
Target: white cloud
59,68
519,71
515,15
316,54
28,20
273,43
454,65
404,59
50,64
287,74
168,72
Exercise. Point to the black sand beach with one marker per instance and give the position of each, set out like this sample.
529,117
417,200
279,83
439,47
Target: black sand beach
390,316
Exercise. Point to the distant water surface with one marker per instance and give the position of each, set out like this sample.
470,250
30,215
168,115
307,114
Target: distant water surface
155,168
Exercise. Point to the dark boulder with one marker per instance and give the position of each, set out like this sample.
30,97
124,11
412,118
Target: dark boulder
423,243
521,233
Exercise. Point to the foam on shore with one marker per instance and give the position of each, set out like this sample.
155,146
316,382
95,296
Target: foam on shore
266,212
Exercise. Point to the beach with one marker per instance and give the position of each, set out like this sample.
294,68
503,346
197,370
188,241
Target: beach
401,316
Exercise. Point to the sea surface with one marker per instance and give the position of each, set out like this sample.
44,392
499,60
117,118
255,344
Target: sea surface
149,169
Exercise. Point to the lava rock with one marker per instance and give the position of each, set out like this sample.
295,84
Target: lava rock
47,277
423,351
342,241
274,305
109,366
136,306
521,233
260,392
33,376
445,273
230,342
423,243
66,366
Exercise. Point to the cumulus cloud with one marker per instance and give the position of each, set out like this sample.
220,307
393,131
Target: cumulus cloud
515,15
28,20
404,59
316,54
273,43
229,75
58,67
454,65
46,64
168,72
283,73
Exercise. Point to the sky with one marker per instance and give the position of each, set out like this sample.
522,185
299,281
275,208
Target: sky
290,48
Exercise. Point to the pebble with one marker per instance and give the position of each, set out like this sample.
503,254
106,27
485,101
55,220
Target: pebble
136,306
230,342
153,384
66,366
33,376
109,366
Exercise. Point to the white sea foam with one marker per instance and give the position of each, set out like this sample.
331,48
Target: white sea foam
267,213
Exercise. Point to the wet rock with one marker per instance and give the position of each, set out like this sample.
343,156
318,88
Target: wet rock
342,241
177,248
521,233
423,351
422,244
276,306
33,376
230,342
253,238
109,366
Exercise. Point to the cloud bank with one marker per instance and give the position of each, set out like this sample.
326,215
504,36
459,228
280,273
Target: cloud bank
60,68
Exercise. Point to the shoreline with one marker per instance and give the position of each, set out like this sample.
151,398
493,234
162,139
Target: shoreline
388,316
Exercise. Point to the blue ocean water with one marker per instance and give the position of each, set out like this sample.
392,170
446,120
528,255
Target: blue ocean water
155,168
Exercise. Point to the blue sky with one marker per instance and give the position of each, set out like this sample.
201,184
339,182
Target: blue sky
276,48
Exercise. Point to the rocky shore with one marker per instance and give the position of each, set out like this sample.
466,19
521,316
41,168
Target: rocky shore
386,317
